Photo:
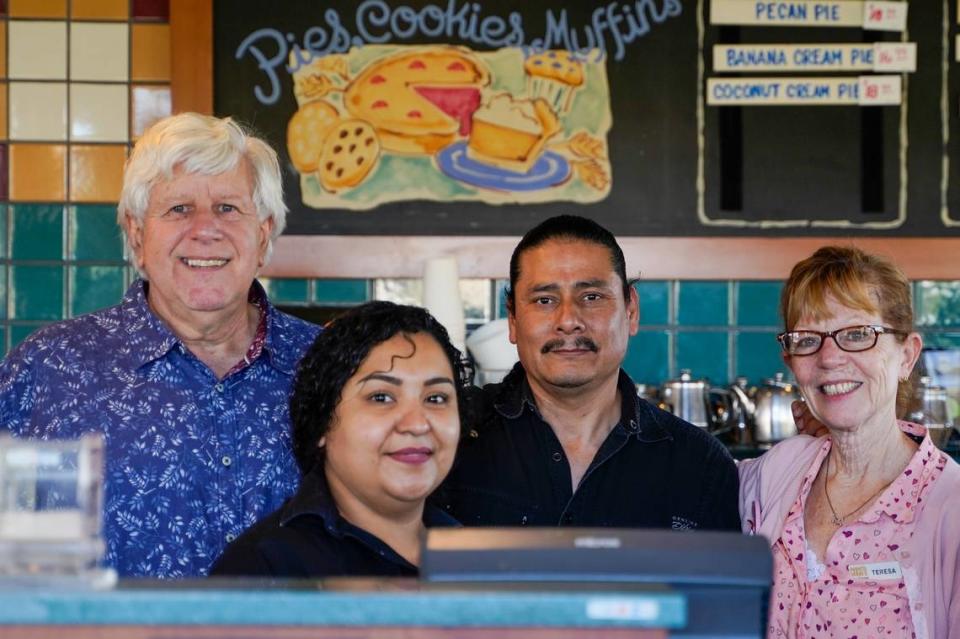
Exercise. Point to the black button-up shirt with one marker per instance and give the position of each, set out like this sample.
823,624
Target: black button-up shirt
308,538
654,470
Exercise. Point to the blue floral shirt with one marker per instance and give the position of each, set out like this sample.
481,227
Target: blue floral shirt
191,460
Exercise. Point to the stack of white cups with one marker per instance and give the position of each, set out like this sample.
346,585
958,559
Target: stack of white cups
441,296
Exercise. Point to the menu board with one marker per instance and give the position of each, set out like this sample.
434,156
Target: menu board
655,117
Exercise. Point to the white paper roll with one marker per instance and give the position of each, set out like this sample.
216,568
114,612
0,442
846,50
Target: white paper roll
441,296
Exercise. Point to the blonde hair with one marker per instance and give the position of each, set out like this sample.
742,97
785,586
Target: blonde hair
206,145
858,280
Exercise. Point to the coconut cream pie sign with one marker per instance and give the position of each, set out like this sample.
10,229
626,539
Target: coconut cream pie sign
389,123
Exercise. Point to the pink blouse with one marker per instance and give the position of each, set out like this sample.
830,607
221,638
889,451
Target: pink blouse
859,591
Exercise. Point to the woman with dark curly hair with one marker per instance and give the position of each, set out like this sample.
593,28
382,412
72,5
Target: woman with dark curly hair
376,421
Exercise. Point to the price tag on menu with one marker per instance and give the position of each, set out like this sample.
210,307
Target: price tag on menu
877,90
884,15
895,56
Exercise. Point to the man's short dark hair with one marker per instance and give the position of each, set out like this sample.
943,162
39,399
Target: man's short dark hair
338,352
568,227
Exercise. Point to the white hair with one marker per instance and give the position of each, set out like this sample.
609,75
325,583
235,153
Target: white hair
206,145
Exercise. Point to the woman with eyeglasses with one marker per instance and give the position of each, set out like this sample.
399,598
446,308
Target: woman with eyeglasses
864,524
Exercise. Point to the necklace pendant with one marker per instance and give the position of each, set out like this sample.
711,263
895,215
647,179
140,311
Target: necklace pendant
837,521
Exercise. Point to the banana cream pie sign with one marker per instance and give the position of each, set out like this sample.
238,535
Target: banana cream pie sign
381,121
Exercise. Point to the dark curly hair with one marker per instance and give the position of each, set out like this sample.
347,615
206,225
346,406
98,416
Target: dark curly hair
338,352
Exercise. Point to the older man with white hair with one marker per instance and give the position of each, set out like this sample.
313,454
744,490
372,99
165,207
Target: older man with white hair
188,377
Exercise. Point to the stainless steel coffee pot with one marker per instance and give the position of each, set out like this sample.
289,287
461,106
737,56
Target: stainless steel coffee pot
773,415
763,414
693,400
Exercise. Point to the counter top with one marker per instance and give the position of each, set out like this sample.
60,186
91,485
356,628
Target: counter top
347,603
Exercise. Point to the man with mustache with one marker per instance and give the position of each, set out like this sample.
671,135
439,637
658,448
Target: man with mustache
564,439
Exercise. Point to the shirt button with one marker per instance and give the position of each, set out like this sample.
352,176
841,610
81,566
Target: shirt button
218,388
230,537
225,460
557,457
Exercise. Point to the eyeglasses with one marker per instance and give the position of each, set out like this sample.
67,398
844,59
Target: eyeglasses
852,339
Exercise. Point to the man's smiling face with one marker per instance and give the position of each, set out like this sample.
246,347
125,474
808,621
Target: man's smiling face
569,320
201,242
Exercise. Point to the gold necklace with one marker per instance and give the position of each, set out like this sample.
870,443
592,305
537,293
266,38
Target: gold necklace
837,519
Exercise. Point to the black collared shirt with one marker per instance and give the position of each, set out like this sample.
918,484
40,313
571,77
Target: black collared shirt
308,538
654,470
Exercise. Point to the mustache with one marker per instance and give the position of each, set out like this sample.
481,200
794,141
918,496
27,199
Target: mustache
580,342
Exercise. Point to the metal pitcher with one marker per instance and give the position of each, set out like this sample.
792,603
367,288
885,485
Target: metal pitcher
694,401
763,413
773,414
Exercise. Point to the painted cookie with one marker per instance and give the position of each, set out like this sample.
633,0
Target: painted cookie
350,152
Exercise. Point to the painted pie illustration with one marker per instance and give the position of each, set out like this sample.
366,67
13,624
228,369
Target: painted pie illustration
419,101
306,132
349,153
554,76
511,134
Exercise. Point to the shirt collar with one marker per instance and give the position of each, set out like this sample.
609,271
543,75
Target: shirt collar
800,503
314,498
899,499
158,339
636,416
513,393
281,355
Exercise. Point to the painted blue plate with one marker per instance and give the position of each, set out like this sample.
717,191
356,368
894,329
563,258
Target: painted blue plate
549,170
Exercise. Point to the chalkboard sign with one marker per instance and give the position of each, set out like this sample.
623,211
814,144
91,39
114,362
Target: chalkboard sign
463,118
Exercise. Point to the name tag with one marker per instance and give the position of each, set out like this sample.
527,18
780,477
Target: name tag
876,572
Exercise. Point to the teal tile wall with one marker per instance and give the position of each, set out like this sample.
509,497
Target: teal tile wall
648,357
703,303
58,261
654,303
758,303
94,234
19,332
61,261
288,291
723,330
95,287
36,292
941,340
758,355
317,292
36,232
340,292
704,354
